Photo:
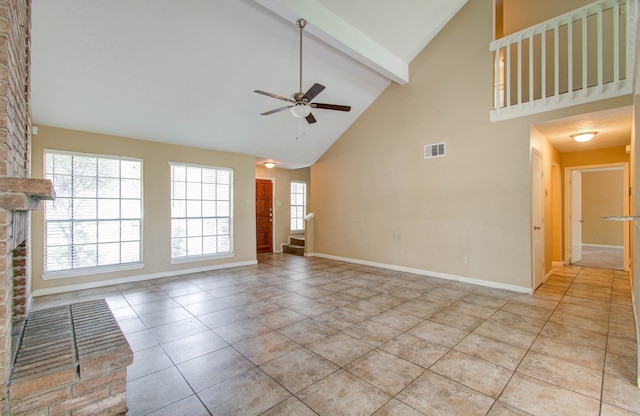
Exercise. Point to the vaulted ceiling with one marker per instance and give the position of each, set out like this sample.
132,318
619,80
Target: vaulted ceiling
184,71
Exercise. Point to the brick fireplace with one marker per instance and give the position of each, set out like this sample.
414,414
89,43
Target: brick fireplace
15,143
72,359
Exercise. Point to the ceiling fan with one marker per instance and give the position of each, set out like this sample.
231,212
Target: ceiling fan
301,104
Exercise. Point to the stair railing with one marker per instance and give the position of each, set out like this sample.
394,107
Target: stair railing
582,56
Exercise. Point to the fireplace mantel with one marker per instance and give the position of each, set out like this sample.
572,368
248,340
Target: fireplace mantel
24,194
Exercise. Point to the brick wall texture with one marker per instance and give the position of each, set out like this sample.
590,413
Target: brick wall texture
72,361
15,139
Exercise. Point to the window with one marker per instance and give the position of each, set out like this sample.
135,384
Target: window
298,205
96,218
200,211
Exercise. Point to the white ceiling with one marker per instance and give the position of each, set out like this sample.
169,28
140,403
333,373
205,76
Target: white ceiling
613,128
184,71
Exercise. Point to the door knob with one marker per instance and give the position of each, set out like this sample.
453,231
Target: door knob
535,227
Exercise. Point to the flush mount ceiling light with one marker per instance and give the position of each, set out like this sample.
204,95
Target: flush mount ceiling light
584,137
269,165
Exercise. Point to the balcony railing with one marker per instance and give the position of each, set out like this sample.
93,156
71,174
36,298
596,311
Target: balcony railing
582,56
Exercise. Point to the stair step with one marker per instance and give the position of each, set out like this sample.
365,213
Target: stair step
296,241
293,249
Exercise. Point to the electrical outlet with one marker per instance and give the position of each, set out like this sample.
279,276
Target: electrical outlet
163,256
465,260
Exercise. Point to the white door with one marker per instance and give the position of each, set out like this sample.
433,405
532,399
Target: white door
576,216
537,208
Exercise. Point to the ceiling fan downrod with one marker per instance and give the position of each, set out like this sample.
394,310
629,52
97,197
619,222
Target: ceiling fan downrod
301,24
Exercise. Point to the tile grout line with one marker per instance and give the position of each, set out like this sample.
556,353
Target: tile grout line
369,318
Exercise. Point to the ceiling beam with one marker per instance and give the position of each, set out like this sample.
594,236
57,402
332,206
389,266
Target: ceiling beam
335,31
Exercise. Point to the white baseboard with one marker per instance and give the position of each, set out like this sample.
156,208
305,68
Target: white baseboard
470,280
602,246
136,278
548,275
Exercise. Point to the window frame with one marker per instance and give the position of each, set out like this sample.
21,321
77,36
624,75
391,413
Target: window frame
293,218
206,256
96,269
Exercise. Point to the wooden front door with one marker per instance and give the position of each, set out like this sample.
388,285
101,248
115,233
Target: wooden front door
264,216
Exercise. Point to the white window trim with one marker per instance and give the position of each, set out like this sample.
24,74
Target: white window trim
197,258
106,268
87,271
301,230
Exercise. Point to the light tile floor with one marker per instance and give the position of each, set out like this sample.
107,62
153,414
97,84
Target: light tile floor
306,336
602,257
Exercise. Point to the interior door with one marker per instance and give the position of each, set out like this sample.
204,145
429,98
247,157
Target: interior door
576,216
537,234
264,216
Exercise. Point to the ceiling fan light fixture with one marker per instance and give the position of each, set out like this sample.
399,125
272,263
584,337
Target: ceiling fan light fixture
269,165
300,110
584,137
301,101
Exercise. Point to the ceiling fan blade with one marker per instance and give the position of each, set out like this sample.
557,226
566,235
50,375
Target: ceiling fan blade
277,110
313,91
331,106
268,94
310,118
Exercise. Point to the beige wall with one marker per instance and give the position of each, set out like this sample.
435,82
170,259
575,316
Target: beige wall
595,157
282,179
518,14
376,199
602,195
156,214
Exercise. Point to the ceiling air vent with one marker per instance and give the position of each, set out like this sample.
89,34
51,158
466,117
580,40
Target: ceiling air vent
435,150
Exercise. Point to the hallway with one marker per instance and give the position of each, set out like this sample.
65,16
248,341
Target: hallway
602,257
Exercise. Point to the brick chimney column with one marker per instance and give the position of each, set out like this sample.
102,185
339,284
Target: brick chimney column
15,143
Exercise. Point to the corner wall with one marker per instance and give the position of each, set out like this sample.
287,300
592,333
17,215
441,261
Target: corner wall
376,198
156,204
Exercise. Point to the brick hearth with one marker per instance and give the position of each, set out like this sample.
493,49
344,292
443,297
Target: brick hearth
71,359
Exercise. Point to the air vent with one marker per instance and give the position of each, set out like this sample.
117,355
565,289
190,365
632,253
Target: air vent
435,150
